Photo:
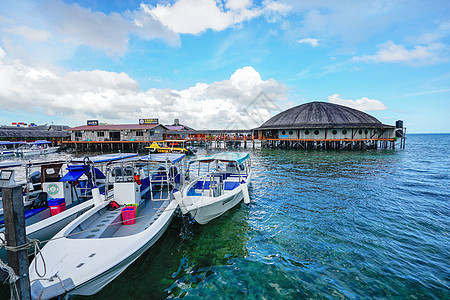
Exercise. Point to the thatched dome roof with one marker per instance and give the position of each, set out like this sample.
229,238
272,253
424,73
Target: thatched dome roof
321,115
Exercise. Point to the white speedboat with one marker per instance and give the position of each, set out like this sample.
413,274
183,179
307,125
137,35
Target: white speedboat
62,198
36,148
95,248
223,186
8,148
32,187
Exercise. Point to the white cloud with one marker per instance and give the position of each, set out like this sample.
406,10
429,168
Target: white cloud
115,97
275,11
433,35
2,53
196,16
311,41
64,25
363,104
274,6
6,20
351,21
392,53
238,4
109,32
29,33
347,23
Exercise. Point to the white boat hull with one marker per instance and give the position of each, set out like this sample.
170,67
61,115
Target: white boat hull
37,151
204,209
47,228
99,260
96,284
7,153
207,212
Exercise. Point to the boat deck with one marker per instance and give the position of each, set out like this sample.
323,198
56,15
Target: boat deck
222,184
107,224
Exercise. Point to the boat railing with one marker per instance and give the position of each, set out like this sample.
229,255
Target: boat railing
164,180
83,190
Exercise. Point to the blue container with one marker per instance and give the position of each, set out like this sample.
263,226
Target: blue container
56,202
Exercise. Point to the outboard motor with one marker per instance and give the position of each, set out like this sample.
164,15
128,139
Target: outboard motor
35,177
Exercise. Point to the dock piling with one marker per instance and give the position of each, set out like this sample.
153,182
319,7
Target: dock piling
16,237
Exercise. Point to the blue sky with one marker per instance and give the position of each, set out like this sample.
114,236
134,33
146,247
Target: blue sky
209,63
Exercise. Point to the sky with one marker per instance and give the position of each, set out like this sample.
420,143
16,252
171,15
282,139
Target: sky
223,64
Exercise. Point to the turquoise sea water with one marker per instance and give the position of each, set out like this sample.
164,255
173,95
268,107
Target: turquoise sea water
322,224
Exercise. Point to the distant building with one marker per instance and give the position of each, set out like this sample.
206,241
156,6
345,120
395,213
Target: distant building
32,132
118,132
178,131
327,126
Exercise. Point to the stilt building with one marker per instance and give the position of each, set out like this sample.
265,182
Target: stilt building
324,125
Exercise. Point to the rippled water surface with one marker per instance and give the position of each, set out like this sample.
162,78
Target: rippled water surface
361,224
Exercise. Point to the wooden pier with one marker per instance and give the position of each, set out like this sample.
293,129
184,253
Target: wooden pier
245,143
105,146
333,144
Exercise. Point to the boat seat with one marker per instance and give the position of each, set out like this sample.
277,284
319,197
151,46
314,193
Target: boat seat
102,227
177,178
221,175
159,177
237,176
204,184
230,185
236,179
29,213
192,192
144,183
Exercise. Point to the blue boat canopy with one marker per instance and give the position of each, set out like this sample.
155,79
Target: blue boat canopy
76,171
11,143
72,175
40,142
106,157
163,157
238,157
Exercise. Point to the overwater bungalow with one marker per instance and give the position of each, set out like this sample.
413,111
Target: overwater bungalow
324,125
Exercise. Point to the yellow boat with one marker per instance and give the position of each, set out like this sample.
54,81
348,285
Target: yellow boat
169,146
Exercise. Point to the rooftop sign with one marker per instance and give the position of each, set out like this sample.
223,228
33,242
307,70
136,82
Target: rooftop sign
92,122
148,121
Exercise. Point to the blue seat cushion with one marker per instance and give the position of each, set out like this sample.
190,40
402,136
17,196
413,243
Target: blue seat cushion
231,185
192,192
206,184
29,213
34,211
145,183
159,177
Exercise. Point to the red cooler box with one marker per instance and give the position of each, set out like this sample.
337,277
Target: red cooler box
56,205
129,215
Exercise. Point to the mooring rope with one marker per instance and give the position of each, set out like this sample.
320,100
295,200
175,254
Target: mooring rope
37,252
12,278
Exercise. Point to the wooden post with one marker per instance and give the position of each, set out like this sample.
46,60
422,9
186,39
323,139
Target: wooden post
15,236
